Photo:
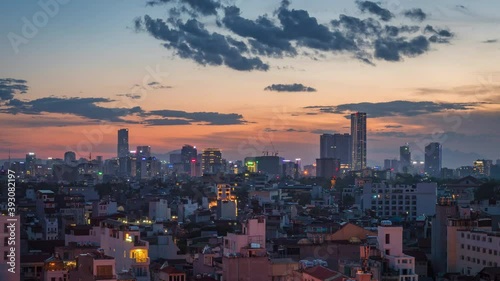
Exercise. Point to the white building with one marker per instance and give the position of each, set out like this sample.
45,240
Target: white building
159,210
476,249
50,228
120,241
104,208
408,201
390,244
186,209
46,211
227,210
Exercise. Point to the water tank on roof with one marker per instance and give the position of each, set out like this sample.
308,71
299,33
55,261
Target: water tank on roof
386,223
254,245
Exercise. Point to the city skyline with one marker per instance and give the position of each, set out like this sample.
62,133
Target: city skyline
120,73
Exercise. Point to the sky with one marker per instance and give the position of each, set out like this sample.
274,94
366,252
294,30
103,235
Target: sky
249,76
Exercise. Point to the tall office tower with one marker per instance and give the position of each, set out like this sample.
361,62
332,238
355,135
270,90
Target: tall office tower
326,146
387,164
433,159
69,157
337,146
122,149
211,161
327,167
188,154
358,135
30,163
143,151
405,158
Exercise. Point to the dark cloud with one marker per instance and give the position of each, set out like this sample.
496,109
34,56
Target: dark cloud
415,14
394,108
205,7
83,107
490,41
46,121
391,49
289,130
321,131
166,122
207,118
192,41
157,85
306,31
439,35
90,109
286,33
9,87
374,8
265,37
353,26
289,88
131,96
393,126
292,130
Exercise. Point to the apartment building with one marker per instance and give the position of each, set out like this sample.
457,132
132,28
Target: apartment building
477,249
408,201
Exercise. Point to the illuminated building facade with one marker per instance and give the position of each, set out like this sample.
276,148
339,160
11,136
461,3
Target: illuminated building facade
211,161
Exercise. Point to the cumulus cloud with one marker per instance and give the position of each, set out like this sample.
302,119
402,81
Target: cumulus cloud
439,35
246,43
191,40
394,108
9,87
374,8
415,14
289,88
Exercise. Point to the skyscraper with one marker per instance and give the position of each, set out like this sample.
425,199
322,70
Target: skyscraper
122,149
188,155
433,159
405,157
211,161
69,157
327,167
358,135
143,151
30,163
337,146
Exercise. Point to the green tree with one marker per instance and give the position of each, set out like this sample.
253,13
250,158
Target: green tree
347,200
488,190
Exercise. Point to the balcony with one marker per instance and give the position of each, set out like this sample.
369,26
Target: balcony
141,260
139,243
105,277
